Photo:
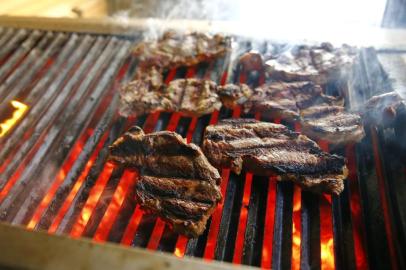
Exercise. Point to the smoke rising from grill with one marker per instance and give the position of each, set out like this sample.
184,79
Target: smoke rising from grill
291,20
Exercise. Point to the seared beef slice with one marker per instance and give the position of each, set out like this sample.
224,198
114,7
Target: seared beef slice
176,180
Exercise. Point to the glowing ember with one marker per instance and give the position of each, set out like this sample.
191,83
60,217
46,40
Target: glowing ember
269,223
61,213
180,248
326,235
326,225
58,181
296,233
126,182
156,234
358,228
20,109
216,218
239,243
132,226
91,202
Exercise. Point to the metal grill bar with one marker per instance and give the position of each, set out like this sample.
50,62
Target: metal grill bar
17,56
32,63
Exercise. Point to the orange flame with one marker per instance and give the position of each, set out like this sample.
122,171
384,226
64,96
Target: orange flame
326,234
296,230
20,109
126,183
92,201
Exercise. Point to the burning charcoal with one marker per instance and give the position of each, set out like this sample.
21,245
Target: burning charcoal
268,148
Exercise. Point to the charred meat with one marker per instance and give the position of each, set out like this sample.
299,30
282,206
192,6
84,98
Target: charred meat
232,95
268,148
194,97
285,100
382,109
176,181
332,123
181,49
319,64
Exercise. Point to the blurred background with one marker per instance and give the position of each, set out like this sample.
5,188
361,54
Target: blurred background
371,12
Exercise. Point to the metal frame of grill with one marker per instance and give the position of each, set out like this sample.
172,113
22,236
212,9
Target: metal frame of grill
54,175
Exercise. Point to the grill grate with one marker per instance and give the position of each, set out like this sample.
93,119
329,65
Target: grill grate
54,175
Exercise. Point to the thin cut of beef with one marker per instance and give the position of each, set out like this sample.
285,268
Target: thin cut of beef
267,148
285,100
232,95
176,181
322,116
192,97
332,123
319,64
181,49
382,109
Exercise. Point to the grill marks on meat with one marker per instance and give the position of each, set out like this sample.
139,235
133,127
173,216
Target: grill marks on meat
268,148
176,49
332,124
193,97
319,64
322,116
285,100
176,180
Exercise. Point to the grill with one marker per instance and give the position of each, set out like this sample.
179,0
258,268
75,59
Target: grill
54,176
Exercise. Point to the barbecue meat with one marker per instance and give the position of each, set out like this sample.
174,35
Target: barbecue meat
193,97
176,49
319,64
332,124
382,109
285,100
176,180
143,96
232,95
268,148
322,116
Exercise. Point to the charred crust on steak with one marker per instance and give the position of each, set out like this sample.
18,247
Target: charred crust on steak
333,124
174,49
176,181
319,64
192,97
267,148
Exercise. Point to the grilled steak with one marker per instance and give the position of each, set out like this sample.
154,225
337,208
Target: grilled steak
382,109
318,64
142,96
285,100
332,124
193,97
176,180
268,148
175,49
232,95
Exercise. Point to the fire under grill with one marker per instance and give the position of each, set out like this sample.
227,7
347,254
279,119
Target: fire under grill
58,109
